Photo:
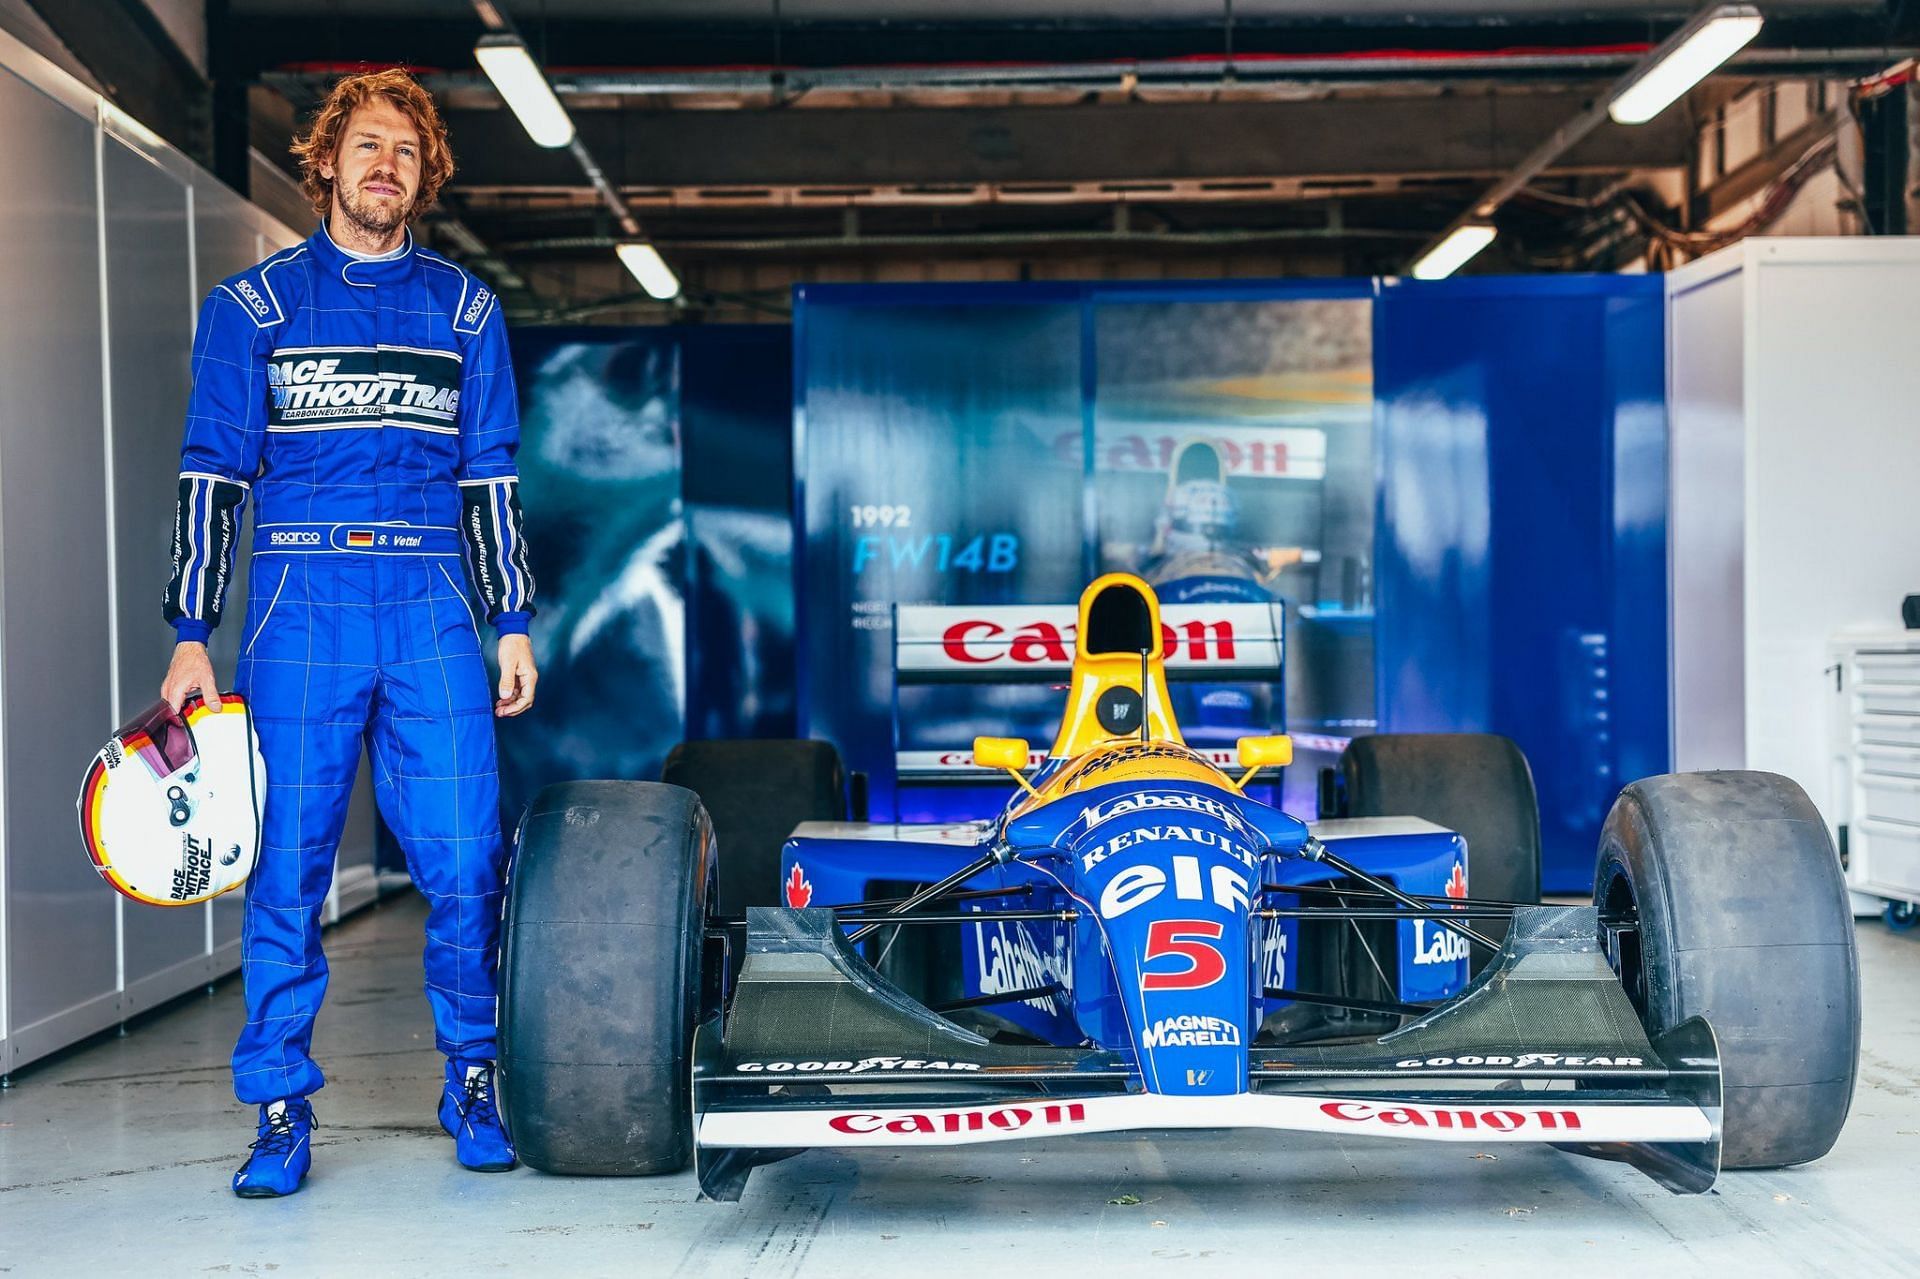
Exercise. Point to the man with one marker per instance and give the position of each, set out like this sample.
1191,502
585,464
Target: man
358,388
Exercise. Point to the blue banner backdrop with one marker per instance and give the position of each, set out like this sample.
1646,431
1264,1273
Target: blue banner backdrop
656,469
1504,501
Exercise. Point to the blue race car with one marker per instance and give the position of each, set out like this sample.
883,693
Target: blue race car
1134,943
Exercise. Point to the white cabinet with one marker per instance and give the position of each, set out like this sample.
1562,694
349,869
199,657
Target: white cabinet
1795,457
1874,734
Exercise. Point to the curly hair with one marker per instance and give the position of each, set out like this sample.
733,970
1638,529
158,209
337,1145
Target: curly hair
320,144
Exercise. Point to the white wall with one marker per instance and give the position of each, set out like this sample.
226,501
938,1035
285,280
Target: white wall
112,240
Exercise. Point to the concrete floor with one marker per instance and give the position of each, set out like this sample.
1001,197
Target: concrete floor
115,1158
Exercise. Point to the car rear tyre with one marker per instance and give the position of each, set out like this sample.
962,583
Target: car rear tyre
1720,896
756,792
601,977
1477,784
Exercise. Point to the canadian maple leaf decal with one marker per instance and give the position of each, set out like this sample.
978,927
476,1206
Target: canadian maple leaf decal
799,891
1456,884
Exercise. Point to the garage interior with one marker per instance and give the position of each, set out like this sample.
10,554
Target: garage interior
1593,435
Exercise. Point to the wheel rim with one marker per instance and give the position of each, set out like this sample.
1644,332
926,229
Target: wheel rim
1620,937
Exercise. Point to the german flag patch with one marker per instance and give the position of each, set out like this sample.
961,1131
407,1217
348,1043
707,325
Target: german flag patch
360,537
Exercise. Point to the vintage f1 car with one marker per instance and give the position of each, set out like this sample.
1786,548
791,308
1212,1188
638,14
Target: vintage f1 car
1133,943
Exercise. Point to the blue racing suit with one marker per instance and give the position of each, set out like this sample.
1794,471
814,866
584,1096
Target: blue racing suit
367,406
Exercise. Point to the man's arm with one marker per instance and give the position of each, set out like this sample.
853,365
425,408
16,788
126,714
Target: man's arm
491,522
226,420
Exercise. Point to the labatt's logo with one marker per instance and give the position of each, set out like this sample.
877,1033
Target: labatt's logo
1097,814
976,642
1433,944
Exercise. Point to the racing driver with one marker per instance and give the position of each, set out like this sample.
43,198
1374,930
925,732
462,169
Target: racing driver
357,387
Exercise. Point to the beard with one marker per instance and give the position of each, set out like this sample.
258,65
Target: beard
376,217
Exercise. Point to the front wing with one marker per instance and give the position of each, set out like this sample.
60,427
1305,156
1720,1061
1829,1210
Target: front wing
820,1051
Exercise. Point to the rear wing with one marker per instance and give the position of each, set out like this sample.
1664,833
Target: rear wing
1006,645
1016,644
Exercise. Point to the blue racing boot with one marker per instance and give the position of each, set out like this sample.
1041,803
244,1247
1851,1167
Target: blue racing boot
468,1113
281,1154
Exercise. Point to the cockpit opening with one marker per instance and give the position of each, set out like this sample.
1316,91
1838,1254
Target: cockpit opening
1119,620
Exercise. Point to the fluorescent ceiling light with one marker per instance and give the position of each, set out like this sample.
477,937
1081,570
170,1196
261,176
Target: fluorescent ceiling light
1684,60
648,267
1454,252
520,81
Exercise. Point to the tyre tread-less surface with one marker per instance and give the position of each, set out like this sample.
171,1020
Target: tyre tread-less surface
1477,784
600,977
756,792
1721,896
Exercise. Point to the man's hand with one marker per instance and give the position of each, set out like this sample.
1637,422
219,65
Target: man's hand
191,671
517,676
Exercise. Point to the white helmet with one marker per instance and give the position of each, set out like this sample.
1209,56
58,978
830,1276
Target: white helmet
170,809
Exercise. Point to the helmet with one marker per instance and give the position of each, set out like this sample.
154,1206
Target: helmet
170,809
1203,510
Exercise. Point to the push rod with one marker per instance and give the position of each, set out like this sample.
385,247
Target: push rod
1329,890
1007,997
954,917
1370,912
930,892
1343,1001
1317,851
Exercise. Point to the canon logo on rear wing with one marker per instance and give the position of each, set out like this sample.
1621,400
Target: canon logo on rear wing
1210,638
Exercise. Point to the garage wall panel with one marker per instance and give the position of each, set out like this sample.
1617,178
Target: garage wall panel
149,304
105,260
61,925
1706,362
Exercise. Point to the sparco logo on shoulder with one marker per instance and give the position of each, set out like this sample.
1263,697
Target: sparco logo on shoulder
475,307
1000,1119
253,298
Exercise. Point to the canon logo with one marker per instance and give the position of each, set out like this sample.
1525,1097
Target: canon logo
1360,1112
1002,1119
978,642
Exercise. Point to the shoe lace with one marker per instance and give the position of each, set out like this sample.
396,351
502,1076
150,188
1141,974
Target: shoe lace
281,1130
476,1097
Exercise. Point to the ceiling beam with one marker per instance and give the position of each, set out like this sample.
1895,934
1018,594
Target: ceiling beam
280,38
1462,132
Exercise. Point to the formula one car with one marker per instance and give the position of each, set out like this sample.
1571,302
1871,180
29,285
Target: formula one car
1127,946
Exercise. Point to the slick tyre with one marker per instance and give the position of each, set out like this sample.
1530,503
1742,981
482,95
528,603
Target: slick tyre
1720,896
1475,783
756,792
601,977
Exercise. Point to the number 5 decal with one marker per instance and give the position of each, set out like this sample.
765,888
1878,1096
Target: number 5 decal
1170,937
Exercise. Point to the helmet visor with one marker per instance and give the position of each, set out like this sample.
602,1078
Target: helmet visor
163,743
